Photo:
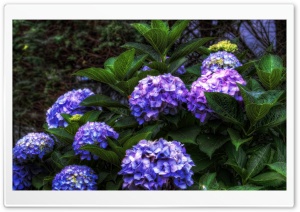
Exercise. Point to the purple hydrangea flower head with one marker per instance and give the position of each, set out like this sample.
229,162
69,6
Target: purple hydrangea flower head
157,94
92,133
31,146
157,165
69,103
21,177
75,177
223,81
219,60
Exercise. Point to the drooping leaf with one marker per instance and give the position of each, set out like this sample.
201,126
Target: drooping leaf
208,182
106,155
185,49
143,49
279,167
209,143
135,139
225,106
101,100
123,63
98,74
258,161
272,179
236,140
185,135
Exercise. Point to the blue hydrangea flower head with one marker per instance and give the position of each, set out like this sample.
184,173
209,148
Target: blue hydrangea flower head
157,94
21,177
92,133
69,103
219,60
75,177
223,81
157,165
32,146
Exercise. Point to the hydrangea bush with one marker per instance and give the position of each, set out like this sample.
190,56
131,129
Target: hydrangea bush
173,124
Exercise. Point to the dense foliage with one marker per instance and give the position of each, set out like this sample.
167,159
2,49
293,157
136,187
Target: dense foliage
220,125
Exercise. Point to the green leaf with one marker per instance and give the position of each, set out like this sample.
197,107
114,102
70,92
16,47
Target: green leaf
196,70
109,63
120,151
158,24
72,128
66,117
209,143
280,154
128,86
173,67
270,62
154,129
37,182
141,27
123,63
279,167
114,186
106,155
200,159
275,117
208,182
101,100
158,39
246,188
272,179
135,139
143,74
98,74
176,31
253,85
184,49
61,134
126,122
58,159
258,161
159,66
143,49
203,50
185,135
90,116
137,64
236,159
225,106
236,140
245,67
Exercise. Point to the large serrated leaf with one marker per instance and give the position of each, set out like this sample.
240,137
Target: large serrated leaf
236,159
159,66
125,122
135,139
270,62
61,134
176,31
57,158
158,39
208,182
279,167
90,116
173,66
101,100
185,49
123,63
72,128
142,28
158,24
137,64
245,67
200,159
258,161
98,74
106,155
210,143
272,179
256,112
225,106
143,49
253,85
185,135
236,140
275,117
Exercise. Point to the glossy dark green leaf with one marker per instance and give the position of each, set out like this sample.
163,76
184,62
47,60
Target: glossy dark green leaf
155,128
173,66
280,154
143,49
275,117
185,49
137,64
98,74
158,24
272,179
135,139
258,161
279,167
66,117
225,106
126,122
185,135
176,31
158,39
72,128
209,143
246,188
142,28
109,63
200,159
106,155
90,116
253,85
196,70
236,159
123,63
144,74
61,134
245,67
101,100
57,158
236,139
208,182
159,66
120,151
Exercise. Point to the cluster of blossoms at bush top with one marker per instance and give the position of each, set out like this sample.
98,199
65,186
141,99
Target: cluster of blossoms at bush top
222,81
75,177
224,45
92,133
157,94
32,146
219,60
157,165
69,103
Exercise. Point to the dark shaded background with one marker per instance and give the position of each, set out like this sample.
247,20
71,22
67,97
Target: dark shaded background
47,53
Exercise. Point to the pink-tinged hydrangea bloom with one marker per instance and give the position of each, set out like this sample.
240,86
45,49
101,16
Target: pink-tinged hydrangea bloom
157,165
219,60
69,103
157,94
223,81
75,177
92,133
32,146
